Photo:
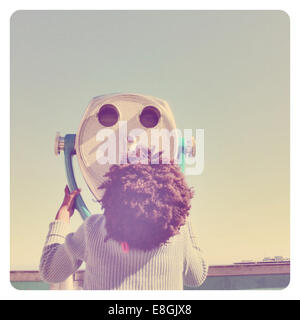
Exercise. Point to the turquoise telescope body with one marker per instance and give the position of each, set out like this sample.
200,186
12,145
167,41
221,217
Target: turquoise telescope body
69,151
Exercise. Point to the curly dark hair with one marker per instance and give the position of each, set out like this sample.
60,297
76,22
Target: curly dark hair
145,204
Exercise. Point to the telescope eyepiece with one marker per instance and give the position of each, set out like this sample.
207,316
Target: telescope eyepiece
108,115
149,117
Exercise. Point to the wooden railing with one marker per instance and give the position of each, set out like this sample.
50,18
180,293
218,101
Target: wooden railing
76,280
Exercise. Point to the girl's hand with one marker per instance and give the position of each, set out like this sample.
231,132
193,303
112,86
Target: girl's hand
66,209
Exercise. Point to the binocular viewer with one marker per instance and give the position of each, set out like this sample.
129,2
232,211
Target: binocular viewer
119,122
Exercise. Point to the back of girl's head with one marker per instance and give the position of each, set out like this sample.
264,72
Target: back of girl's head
145,204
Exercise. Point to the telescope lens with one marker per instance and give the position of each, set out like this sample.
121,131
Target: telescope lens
108,115
149,117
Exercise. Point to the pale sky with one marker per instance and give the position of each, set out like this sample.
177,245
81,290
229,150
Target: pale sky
224,72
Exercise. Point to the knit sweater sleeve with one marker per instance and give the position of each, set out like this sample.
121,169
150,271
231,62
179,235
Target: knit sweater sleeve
195,270
63,252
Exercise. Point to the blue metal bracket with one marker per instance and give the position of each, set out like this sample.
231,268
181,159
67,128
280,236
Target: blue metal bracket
69,151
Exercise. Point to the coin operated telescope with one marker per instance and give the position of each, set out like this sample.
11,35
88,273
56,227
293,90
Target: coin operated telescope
106,112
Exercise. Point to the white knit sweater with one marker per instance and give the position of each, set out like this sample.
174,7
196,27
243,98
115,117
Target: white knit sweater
168,267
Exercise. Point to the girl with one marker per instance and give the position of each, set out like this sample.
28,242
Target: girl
143,241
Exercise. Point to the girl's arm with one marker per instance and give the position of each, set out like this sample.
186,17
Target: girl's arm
195,271
63,252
